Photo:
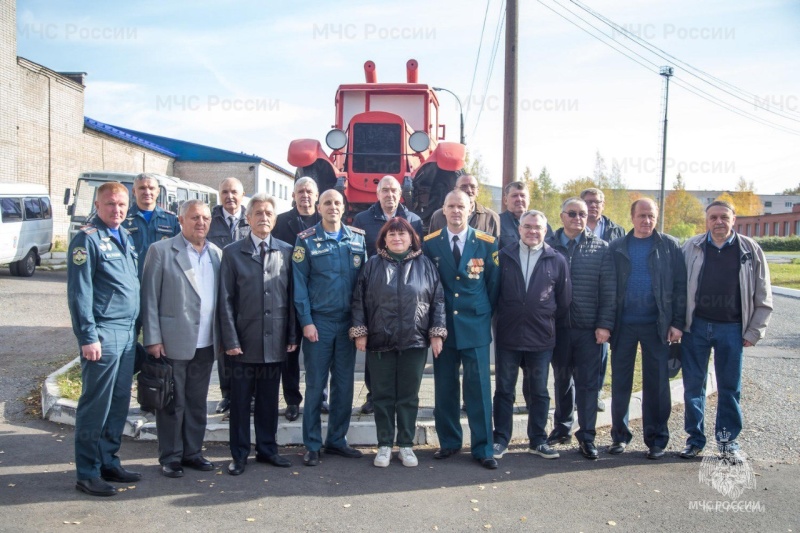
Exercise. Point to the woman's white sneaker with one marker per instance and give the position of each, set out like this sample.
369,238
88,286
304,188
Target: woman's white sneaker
384,457
407,456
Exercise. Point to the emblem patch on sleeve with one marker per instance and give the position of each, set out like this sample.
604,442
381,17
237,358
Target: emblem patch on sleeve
299,254
496,258
79,255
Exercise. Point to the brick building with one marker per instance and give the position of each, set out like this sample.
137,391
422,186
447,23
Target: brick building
777,225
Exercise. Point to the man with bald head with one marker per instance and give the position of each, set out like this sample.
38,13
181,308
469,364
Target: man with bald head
327,259
228,224
371,221
651,312
479,217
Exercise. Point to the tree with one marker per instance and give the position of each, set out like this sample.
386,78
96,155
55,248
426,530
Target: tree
796,190
726,197
746,200
474,167
545,197
575,186
683,213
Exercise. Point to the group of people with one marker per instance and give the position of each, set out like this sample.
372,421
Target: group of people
248,287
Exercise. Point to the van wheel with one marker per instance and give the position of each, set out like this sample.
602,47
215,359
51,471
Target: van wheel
26,266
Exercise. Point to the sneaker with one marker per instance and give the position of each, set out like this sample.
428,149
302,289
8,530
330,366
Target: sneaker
545,451
384,457
407,456
499,450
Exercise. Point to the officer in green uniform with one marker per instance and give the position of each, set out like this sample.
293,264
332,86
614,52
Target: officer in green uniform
103,292
467,261
327,259
146,222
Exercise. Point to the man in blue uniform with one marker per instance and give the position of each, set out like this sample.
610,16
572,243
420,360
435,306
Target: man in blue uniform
103,289
327,259
467,260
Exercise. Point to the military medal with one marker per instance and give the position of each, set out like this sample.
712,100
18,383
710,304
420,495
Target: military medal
474,268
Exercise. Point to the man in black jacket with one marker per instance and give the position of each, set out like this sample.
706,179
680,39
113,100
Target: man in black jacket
535,289
371,221
587,325
606,229
302,216
228,224
651,311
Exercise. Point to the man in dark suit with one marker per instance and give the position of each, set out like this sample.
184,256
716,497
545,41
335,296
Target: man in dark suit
228,224
467,261
258,329
288,225
179,294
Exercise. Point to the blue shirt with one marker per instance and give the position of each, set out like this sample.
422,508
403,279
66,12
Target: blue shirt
147,215
639,305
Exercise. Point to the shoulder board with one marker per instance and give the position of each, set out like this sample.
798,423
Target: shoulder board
305,234
484,236
357,230
89,229
430,236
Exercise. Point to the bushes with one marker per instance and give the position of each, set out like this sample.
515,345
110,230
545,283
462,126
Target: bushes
779,244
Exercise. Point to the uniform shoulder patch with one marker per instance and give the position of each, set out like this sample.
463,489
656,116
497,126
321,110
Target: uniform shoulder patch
306,233
299,254
357,230
433,235
484,236
88,229
79,255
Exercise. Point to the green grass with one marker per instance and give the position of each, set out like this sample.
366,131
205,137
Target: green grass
786,275
69,383
637,374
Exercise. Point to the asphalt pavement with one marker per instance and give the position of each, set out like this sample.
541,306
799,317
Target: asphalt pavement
527,493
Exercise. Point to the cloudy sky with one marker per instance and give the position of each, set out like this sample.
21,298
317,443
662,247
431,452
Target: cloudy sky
251,76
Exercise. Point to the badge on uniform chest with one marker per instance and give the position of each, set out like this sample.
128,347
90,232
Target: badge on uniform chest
474,268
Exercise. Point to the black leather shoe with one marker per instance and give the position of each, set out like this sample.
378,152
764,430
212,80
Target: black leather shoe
274,460
326,408
690,452
617,448
552,440
344,451
656,452
311,458
444,453
367,408
117,474
292,412
95,487
223,406
236,468
198,463
489,462
172,470
588,450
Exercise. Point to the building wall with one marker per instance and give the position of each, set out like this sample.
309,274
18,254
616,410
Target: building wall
9,91
212,173
770,203
778,225
276,184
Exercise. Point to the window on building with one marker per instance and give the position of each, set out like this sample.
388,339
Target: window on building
755,229
786,229
767,204
267,188
776,229
747,231
797,227
788,204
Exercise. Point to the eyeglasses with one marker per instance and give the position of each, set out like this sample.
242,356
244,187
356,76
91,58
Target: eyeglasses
573,214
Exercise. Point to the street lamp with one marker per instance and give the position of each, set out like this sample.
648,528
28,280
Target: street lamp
460,109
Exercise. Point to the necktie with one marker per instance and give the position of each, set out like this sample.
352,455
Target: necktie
232,227
263,250
456,251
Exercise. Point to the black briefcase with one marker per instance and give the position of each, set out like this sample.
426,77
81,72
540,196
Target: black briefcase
674,360
155,385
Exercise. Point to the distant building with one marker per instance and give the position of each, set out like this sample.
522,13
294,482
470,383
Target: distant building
770,203
775,225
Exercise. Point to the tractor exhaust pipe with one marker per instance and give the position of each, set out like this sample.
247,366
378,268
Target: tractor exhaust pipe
369,72
412,72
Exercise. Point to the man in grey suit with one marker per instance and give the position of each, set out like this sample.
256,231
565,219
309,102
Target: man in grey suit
179,288
259,328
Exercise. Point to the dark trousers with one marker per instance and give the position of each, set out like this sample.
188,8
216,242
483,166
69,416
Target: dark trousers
367,380
506,371
224,373
182,428
576,359
397,375
601,379
263,380
291,378
656,402
477,396
104,402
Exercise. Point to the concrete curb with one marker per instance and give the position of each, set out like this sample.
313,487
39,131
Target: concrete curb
362,427
783,291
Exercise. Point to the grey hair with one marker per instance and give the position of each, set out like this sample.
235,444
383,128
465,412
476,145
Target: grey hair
188,204
145,176
237,180
595,191
305,180
572,200
386,178
259,198
534,213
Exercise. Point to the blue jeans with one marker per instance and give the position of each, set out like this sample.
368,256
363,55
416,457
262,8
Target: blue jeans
506,372
656,402
335,354
726,339
576,359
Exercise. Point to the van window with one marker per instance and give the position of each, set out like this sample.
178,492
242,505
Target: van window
11,209
47,212
33,209
183,195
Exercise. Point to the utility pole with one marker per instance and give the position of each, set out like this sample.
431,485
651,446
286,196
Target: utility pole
510,96
666,72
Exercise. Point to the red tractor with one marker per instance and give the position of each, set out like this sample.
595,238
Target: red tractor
384,129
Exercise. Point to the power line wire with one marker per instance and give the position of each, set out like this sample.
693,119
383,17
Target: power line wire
478,57
495,48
